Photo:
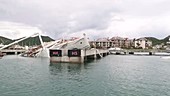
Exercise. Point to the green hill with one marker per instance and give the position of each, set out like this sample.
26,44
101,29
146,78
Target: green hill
35,40
4,40
156,41
166,39
29,42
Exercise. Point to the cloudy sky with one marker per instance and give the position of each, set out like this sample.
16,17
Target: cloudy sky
96,18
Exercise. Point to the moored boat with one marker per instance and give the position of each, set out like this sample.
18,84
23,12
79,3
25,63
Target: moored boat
117,51
165,57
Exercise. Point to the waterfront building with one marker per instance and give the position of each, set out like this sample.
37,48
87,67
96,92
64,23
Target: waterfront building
142,43
121,42
168,45
113,42
102,43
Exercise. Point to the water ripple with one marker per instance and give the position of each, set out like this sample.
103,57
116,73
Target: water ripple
109,76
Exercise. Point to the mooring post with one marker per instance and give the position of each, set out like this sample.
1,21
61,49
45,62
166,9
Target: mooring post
85,57
95,54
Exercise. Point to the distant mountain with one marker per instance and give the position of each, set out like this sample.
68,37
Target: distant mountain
29,42
156,41
166,39
4,40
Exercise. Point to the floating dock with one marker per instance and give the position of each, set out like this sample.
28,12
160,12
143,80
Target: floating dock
76,55
12,52
151,53
142,53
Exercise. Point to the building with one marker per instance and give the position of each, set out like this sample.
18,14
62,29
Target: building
168,44
142,43
101,43
121,42
113,42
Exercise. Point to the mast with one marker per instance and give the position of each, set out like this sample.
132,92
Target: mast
41,41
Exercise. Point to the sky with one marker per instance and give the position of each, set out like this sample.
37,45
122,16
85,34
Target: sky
95,18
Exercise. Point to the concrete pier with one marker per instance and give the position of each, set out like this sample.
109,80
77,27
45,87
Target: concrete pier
76,55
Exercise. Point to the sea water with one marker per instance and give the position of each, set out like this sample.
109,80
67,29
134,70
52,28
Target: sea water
112,75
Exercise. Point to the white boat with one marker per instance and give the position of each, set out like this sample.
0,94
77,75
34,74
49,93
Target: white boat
117,51
165,57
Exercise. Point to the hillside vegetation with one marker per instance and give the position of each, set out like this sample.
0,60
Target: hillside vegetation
35,40
28,42
156,41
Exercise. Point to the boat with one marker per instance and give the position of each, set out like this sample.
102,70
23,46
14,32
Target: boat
117,51
165,57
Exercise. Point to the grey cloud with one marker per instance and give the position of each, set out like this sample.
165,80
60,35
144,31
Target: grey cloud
54,15
155,31
145,8
59,17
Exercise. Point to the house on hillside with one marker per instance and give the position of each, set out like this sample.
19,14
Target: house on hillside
168,43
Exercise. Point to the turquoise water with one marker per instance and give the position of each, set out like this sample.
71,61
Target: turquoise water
109,76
